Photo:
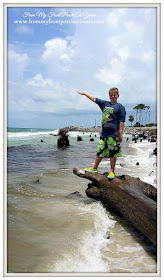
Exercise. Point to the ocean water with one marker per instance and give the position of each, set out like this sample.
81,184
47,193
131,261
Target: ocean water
50,230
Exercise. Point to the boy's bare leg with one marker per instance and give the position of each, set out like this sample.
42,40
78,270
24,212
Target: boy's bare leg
97,161
112,163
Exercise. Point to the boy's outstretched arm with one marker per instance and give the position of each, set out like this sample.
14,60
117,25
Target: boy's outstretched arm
89,96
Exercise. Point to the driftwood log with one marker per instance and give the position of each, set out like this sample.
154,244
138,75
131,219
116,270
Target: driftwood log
134,199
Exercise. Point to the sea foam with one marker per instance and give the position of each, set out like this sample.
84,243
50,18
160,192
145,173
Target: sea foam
25,134
89,257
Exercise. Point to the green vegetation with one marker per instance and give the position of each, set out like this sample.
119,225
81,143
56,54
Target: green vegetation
151,124
137,124
139,110
131,119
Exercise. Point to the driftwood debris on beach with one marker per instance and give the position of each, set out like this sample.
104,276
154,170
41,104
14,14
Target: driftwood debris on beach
134,199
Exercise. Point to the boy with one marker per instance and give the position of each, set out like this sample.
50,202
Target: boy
113,119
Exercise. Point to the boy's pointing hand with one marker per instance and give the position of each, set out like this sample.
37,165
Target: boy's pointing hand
79,92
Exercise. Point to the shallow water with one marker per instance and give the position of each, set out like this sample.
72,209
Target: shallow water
50,230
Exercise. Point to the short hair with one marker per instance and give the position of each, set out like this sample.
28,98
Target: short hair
114,90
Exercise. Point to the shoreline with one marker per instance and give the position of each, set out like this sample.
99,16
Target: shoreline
127,129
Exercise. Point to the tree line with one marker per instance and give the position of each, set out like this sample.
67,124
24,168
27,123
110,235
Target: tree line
140,118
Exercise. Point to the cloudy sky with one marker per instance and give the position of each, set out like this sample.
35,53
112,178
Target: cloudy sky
54,52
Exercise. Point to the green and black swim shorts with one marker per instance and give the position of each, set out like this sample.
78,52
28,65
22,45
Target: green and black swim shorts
109,147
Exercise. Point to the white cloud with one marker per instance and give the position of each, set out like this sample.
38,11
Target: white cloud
148,56
135,29
38,81
17,64
108,77
58,55
113,74
94,59
57,48
123,53
114,18
17,57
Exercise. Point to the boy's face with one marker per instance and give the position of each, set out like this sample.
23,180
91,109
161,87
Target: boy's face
113,97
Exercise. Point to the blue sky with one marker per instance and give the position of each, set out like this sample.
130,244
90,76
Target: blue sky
93,50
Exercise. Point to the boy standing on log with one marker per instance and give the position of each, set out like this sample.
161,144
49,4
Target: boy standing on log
113,118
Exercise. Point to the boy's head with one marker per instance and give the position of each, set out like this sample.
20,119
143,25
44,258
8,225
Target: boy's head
113,95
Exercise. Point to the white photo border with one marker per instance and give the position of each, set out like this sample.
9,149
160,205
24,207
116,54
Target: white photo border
156,4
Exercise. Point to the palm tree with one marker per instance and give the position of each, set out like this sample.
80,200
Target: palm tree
148,107
141,107
131,119
147,110
136,108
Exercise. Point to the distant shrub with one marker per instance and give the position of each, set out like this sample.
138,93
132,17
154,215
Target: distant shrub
151,124
137,124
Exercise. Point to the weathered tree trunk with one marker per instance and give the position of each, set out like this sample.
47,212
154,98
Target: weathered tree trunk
62,138
134,199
